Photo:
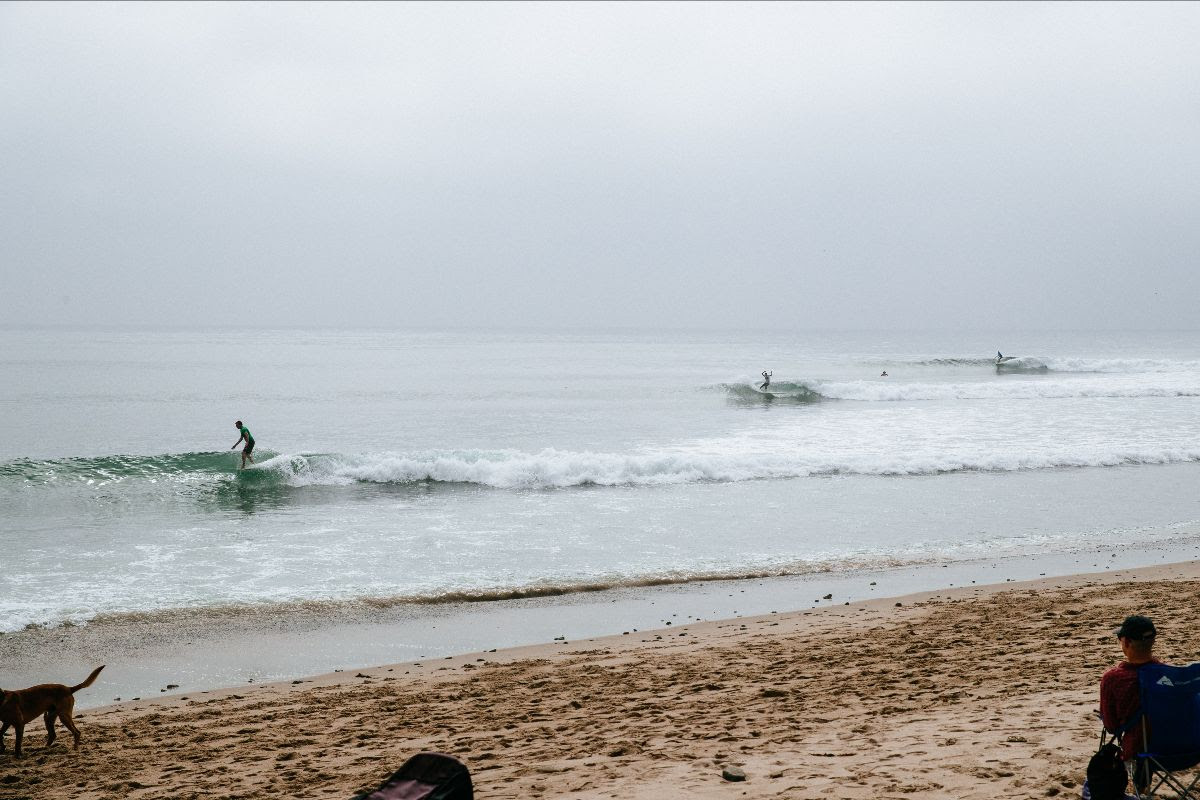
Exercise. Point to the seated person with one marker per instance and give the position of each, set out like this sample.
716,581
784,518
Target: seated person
1119,696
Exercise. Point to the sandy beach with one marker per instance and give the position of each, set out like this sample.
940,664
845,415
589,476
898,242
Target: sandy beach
963,693
631,400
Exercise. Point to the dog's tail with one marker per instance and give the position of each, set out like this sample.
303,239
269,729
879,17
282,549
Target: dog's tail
90,680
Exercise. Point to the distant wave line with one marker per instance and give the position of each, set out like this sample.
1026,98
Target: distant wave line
1048,364
881,390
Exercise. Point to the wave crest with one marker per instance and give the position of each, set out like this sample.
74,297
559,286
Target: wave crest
948,361
118,467
557,469
554,469
787,391
886,391
1052,364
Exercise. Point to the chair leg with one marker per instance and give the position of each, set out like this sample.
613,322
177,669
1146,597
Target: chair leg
1141,776
1182,792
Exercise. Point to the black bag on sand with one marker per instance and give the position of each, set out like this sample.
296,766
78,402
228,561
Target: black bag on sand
1106,775
426,776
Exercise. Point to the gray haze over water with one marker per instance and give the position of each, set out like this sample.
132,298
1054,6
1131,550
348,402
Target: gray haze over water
779,165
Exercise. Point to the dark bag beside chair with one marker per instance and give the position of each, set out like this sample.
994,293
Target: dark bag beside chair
426,776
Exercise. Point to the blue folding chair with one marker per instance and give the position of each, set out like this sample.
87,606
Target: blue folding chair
1170,728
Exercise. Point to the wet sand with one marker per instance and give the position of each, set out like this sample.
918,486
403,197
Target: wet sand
976,692
208,648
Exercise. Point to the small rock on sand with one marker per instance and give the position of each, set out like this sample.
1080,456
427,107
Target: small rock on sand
732,773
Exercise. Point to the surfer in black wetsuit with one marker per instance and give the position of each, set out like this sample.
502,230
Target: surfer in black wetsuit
766,379
246,437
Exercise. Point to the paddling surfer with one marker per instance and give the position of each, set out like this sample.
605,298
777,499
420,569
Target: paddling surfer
766,379
246,437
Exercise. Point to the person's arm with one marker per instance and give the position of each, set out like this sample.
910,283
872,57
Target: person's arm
1106,710
1119,699
240,438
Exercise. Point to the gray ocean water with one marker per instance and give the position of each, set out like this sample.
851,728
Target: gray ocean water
397,467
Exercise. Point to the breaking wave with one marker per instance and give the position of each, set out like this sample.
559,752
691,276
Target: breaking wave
1133,365
552,469
1053,364
1028,365
785,391
1113,385
547,469
885,391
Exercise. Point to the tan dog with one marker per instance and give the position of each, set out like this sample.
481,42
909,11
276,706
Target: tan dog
49,700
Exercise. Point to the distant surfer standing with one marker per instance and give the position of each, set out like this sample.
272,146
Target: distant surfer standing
766,379
246,437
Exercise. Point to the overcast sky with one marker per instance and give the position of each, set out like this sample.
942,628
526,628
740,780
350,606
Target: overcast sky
684,165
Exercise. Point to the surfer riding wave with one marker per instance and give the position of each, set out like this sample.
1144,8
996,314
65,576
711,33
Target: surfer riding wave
248,439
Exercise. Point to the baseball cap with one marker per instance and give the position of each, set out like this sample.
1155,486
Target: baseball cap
1137,628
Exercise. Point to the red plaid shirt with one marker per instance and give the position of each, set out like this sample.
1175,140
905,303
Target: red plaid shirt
1119,700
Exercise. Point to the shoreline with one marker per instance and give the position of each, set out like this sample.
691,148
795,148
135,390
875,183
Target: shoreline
430,666
178,655
958,692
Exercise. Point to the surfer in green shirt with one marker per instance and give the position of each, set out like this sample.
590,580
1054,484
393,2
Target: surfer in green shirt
246,437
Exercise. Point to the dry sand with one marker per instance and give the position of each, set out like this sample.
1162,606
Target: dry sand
962,693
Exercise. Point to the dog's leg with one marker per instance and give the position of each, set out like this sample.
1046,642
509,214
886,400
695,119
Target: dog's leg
3,730
49,719
65,716
64,710
19,731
